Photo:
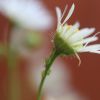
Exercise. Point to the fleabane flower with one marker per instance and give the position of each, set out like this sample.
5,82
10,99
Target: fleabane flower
69,39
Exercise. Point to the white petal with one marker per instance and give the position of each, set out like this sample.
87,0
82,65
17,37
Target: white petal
87,40
64,11
72,30
59,14
92,36
60,29
69,14
90,48
98,52
90,39
82,34
65,29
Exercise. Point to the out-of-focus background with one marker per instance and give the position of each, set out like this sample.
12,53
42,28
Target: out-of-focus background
69,81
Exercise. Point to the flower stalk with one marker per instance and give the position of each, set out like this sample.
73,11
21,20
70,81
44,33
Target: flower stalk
48,64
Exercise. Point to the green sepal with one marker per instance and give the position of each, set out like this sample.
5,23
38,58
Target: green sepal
62,47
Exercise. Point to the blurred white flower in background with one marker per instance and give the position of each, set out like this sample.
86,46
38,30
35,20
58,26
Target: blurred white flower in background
25,42
32,17
67,96
28,14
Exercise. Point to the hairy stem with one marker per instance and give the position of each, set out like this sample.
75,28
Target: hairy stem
48,64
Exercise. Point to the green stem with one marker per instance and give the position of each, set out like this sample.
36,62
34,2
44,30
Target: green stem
49,62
